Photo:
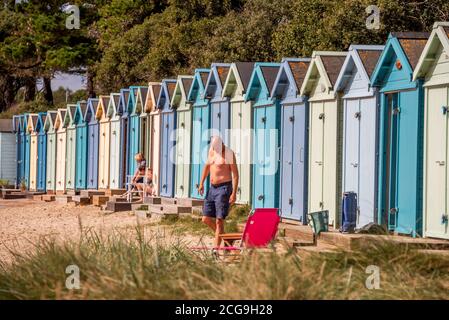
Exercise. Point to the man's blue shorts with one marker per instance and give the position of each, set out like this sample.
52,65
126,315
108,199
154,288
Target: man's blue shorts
216,204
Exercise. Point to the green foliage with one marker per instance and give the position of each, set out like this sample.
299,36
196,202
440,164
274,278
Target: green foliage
4,182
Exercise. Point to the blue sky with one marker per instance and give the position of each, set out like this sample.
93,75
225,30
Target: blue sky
72,82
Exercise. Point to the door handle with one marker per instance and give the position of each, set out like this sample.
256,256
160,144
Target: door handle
440,163
260,197
354,164
319,163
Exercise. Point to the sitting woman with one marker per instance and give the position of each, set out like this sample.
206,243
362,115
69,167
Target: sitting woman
138,178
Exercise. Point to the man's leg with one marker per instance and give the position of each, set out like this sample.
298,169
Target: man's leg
209,222
219,229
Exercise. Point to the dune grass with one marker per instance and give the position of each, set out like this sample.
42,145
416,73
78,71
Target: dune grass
144,266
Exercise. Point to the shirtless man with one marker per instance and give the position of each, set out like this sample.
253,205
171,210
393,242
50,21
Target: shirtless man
224,179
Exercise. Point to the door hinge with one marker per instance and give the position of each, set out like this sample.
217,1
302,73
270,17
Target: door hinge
444,110
290,201
444,218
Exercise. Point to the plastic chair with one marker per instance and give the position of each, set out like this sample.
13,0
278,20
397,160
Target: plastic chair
319,221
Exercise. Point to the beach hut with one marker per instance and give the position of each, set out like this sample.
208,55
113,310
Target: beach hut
81,146
325,133
70,167
41,152
115,139
21,129
133,129
219,104
294,138
168,139
145,127
200,131
31,129
104,143
241,123
26,150
50,130
8,149
184,128
17,128
60,150
267,121
400,133
93,132
360,129
124,130
433,68
155,119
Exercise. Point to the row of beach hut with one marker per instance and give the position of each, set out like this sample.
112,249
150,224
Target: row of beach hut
372,120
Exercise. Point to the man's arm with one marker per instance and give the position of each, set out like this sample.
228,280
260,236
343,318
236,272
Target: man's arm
206,172
235,179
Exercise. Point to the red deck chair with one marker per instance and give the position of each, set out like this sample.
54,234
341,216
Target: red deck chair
260,229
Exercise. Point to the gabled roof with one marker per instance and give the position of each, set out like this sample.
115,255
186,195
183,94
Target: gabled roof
32,122
262,79
360,58
41,117
324,65
113,104
59,122
438,40
216,79
291,73
16,123
123,102
70,115
182,88
238,78
132,100
50,120
166,93
102,107
141,99
199,84
154,88
404,47
81,107
91,110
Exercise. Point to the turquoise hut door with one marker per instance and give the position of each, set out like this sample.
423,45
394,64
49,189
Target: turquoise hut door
266,156
200,148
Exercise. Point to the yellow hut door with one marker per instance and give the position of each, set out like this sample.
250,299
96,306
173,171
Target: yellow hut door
316,156
436,187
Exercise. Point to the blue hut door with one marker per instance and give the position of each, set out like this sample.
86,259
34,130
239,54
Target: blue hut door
220,120
351,146
292,166
92,167
41,162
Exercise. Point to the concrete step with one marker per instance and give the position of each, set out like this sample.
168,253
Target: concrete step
72,192
114,192
168,201
31,194
152,200
198,211
13,196
118,206
189,202
80,200
297,232
90,193
63,199
170,209
38,198
99,200
48,197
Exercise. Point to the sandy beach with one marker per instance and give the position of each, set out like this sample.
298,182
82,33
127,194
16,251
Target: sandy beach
23,223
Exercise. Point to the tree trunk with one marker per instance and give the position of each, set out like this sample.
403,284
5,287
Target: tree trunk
48,93
30,89
90,83
8,90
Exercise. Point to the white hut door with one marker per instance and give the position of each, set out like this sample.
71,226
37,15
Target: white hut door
316,156
436,184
